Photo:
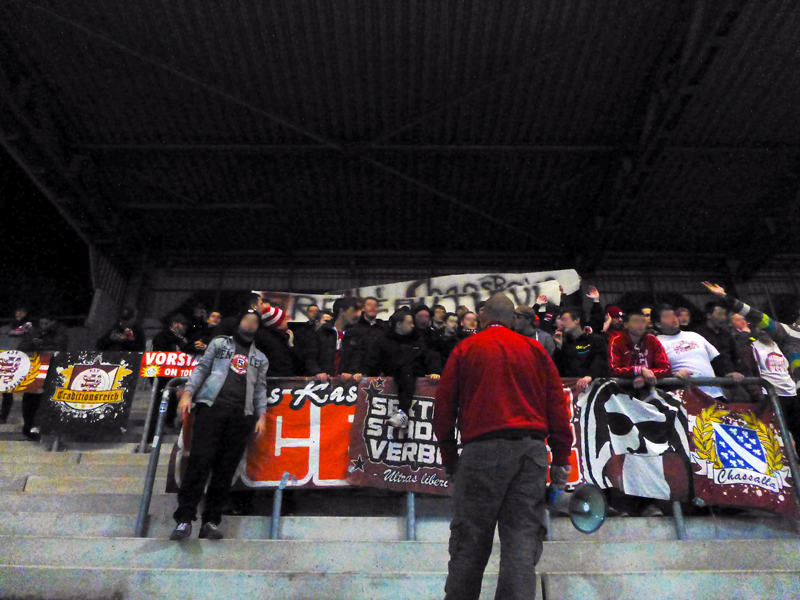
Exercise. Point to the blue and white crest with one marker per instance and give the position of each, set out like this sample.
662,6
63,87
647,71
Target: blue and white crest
739,448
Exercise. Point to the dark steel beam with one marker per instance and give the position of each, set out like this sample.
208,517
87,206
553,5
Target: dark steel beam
678,71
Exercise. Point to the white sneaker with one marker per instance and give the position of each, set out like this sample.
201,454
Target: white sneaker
398,420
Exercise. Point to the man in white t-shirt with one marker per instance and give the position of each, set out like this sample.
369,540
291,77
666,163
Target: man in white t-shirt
772,364
689,353
767,361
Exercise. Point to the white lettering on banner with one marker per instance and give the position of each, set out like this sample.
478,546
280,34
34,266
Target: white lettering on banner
414,446
312,442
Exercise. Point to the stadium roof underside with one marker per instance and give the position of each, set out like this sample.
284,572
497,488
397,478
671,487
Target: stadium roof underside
206,131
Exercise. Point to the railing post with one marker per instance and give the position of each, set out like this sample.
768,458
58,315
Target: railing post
150,478
411,517
680,524
791,454
277,502
151,407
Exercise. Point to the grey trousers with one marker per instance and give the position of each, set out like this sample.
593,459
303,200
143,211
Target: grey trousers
498,483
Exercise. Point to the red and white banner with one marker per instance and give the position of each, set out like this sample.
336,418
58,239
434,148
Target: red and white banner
308,431
23,372
167,364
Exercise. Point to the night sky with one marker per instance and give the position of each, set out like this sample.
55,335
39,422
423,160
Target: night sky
44,263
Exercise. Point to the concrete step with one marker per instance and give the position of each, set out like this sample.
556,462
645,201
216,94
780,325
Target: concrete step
155,584
13,448
731,585
75,504
376,557
12,484
242,584
360,529
39,458
91,485
92,470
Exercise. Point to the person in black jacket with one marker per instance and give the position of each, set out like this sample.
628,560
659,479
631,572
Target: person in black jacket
125,336
402,353
170,339
447,338
49,336
25,338
368,327
332,350
173,337
423,322
201,329
716,331
578,353
277,342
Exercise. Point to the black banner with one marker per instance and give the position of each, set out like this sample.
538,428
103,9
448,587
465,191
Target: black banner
89,394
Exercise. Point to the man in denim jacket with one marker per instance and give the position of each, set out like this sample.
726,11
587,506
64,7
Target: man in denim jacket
230,400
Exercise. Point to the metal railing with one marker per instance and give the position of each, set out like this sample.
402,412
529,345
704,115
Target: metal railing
155,450
411,520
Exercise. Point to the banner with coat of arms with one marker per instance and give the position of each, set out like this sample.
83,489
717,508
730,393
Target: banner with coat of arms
738,455
23,372
89,394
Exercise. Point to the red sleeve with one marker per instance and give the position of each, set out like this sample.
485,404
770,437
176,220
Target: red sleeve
560,432
660,365
445,410
618,361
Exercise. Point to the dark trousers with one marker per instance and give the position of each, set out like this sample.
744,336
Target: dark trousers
791,413
30,404
497,483
5,409
220,435
405,382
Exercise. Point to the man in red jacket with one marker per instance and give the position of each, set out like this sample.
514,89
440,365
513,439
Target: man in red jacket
637,354
506,395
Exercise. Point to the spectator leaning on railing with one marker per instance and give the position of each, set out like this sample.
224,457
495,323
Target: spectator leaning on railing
763,358
786,336
402,353
637,354
689,353
579,353
333,349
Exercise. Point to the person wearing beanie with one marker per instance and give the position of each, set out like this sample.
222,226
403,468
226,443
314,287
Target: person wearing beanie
614,323
227,394
423,322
